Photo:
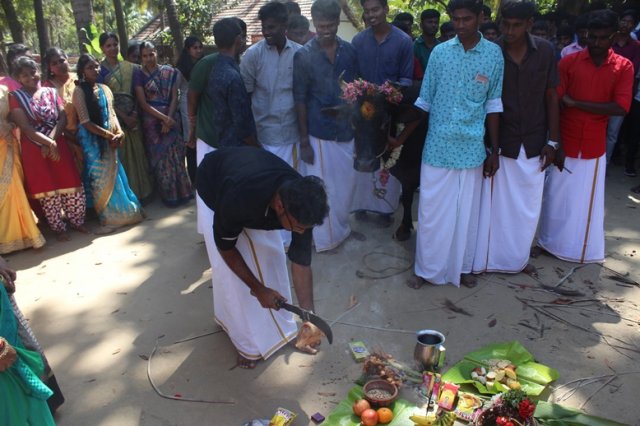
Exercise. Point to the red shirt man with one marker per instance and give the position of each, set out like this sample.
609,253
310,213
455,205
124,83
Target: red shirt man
594,84
583,130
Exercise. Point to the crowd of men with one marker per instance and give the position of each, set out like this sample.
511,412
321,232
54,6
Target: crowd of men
516,142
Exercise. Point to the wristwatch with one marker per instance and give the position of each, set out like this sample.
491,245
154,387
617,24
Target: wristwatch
553,144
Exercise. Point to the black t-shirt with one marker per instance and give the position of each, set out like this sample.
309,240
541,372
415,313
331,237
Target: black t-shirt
238,183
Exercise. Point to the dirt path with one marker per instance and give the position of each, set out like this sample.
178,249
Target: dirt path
98,304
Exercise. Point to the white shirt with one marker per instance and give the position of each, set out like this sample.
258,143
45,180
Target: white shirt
268,77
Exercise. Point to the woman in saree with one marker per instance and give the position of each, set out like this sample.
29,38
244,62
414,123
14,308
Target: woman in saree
50,174
157,94
118,75
55,66
100,135
191,53
29,392
18,229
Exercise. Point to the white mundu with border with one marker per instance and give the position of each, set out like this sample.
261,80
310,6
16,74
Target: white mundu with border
509,212
333,163
572,222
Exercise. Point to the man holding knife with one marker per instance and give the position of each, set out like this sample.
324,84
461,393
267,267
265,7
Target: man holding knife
252,193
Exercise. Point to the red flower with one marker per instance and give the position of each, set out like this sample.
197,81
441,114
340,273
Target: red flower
526,409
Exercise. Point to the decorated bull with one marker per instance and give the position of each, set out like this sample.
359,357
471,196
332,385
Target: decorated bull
378,112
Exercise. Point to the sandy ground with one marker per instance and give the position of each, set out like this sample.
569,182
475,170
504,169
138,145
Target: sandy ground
99,304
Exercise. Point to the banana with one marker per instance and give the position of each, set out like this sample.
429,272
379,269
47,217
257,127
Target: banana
422,420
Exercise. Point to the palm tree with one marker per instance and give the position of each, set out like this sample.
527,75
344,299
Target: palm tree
16,28
174,24
41,26
122,27
83,15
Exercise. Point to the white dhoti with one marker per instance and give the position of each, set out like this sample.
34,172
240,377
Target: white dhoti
288,153
572,222
255,332
333,163
365,199
204,215
509,212
447,223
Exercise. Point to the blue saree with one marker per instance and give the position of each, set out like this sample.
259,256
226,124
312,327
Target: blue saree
105,178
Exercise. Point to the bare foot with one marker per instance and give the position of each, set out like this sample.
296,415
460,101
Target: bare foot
468,280
63,236
82,228
104,230
403,233
244,363
530,270
416,282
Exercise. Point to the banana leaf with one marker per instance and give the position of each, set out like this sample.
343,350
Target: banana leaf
548,414
532,376
343,415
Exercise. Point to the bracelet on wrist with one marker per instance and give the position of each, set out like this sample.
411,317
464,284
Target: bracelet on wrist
553,144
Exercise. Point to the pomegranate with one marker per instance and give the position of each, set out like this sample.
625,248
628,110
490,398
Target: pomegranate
359,406
369,417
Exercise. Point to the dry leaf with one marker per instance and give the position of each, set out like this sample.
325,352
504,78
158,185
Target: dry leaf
352,301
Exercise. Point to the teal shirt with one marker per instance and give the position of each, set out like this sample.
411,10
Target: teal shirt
422,51
459,89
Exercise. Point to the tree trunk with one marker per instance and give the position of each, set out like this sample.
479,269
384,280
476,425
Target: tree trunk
41,26
83,16
17,31
174,25
122,27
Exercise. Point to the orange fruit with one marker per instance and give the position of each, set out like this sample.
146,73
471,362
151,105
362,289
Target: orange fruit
385,415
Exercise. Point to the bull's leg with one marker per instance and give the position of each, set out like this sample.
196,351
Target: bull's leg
409,185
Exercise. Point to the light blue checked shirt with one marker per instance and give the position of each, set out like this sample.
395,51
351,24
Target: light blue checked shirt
459,89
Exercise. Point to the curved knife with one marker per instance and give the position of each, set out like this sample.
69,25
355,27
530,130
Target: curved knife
309,316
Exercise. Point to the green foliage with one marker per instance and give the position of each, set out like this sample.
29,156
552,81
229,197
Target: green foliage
93,48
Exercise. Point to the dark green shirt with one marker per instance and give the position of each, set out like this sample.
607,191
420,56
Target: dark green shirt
422,51
205,129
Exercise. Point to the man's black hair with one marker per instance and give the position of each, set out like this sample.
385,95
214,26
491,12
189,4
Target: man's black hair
243,25
429,14
446,27
582,22
487,11
293,8
225,32
489,26
298,22
383,3
274,10
402,26
305,199
404,17
326,9
632,13
475,6
518,9
15,51
603,19
540,25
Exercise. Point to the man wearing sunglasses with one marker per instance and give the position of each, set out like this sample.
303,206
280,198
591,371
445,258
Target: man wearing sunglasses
253,194
595,84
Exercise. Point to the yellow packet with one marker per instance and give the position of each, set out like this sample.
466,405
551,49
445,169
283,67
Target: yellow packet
282,417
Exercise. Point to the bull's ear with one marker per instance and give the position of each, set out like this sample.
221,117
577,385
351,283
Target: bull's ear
339,111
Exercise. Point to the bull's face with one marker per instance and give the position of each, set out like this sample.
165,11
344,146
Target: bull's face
370,121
